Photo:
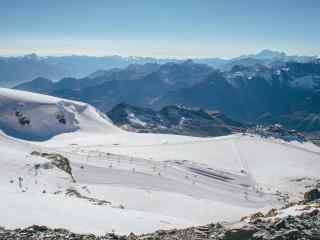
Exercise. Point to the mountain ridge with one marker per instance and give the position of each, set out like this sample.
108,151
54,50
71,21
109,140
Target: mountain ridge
16,70
245,93
173,120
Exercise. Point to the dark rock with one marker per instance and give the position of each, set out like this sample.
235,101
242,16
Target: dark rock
243,233
281,224
38,228
312,195
292,234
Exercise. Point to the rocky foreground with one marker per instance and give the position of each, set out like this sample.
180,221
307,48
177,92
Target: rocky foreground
302,227
295,221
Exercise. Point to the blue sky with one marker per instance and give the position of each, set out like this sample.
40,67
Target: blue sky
159,28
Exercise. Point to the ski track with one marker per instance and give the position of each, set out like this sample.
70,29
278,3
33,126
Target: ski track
180,174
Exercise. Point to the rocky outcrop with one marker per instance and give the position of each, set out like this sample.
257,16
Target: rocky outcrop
57,160
23,120
277,131
312,195
303,227
71,192
36,232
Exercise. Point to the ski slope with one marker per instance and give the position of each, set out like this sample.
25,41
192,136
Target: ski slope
129,182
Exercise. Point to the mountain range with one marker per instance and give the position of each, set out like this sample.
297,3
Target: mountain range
286,93
16,70
112,88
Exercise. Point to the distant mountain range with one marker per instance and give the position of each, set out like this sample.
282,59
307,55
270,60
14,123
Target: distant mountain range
14,70
269,92
289,94
141,86
174,120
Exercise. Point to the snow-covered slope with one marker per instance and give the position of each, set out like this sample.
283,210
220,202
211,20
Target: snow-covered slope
39,117
89,176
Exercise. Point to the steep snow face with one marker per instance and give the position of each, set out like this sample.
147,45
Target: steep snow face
39,117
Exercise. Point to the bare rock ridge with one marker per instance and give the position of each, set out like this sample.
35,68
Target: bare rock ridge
178,120
303,227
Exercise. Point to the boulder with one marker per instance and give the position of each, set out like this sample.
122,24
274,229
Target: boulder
244,232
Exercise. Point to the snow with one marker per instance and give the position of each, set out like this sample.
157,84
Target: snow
57,211
133,119
153,181
15,105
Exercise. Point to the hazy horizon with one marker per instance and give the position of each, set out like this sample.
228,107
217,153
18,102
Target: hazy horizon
130,56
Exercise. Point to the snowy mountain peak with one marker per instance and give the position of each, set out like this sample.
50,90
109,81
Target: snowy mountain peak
270,54
31,56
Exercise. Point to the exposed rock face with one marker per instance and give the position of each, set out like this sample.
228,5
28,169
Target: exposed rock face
303,227
61,118
23,120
